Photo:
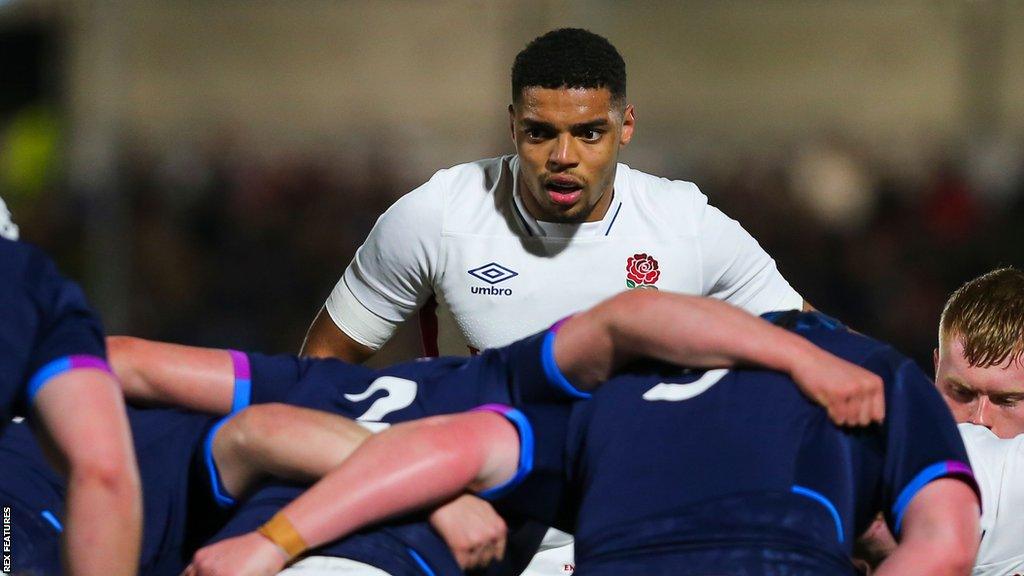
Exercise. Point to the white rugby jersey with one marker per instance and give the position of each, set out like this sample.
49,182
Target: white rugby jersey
999,469
464,251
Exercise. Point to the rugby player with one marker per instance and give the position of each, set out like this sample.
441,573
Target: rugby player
497,249
979,370
53,372
671,471
188,463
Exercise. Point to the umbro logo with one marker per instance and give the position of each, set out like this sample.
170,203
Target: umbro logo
492,273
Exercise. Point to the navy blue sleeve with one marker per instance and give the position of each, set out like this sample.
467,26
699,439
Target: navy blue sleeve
272,378
64,332
922,442
536,377
538,490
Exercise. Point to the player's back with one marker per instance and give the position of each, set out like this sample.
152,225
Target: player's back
737,472
410,390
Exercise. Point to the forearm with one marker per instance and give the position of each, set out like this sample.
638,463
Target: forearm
407,467
103,519
160,373
283,441
685,330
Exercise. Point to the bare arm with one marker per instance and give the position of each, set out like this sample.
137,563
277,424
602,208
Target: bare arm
413,465
201,379
325,340
305,445
82,412
284,441
940,532
708,333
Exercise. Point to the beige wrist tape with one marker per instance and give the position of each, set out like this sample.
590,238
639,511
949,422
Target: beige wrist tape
280,531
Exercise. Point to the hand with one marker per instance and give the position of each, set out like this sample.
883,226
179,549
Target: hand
247,555
852,395
472,529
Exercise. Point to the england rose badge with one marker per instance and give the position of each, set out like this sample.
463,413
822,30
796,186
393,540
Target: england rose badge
642,271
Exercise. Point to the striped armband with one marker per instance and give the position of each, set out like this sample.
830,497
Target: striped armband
242,395
948,468
60,366
281,532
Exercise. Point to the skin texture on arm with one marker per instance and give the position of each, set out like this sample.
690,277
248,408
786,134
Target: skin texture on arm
325,340
285,441
305,445
708,333
940,532
413,465
160,373
83,417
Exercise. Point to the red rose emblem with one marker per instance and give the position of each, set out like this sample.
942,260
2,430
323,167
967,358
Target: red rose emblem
641,270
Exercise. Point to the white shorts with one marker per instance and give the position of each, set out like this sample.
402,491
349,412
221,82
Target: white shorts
329,566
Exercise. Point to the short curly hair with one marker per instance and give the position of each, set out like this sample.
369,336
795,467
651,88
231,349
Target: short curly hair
987,314
570,58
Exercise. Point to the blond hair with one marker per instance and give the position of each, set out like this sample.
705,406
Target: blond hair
987,314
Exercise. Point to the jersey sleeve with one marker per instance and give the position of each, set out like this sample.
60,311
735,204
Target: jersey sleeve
68,334
538,490
735,268
922,443
272,378
534,375
391,274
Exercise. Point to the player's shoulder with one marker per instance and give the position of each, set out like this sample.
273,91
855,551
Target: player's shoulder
25,266
463,197
679,203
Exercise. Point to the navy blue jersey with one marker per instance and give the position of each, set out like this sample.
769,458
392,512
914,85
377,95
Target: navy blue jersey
179,510
46,327
514,375
518,373
668,471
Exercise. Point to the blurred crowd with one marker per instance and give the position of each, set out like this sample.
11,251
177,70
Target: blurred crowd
228,248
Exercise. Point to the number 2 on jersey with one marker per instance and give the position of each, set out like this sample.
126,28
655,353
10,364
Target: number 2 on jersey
401,393
679,392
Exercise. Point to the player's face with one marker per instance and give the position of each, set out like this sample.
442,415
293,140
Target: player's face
568,141
992,397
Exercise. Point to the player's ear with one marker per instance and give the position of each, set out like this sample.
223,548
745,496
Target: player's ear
935,360
628,124
512,122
